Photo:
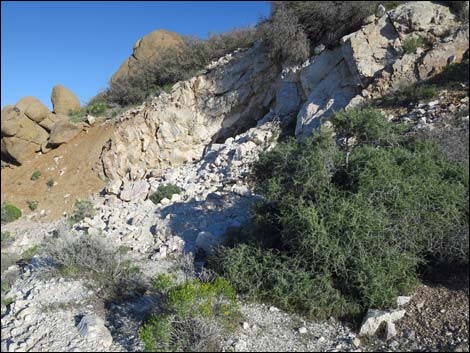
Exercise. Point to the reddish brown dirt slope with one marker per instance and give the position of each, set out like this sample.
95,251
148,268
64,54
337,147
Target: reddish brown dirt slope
70,166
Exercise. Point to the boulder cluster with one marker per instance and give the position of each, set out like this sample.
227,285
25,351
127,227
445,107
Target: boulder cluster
30,127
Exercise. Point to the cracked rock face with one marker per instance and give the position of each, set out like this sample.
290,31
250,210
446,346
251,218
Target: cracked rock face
240,88
371,62
175,128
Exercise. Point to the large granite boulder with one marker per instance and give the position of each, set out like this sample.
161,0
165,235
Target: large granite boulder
63,131
64,100
21,136
33,108
147,49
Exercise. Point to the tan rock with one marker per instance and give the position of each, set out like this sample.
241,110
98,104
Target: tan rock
33,108
175,128
63,131
64,100
15,123
18,149
146,49
21,136
10,120
51,119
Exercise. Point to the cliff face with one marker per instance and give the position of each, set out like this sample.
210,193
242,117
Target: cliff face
244,86
172,129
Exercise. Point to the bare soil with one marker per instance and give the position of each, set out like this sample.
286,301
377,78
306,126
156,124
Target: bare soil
72,167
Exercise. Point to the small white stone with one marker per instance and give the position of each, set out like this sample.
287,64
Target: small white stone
303,330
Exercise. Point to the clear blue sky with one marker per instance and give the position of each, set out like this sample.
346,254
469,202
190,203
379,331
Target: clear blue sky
81,44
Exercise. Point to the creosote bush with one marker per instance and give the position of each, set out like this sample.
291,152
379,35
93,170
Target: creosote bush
194,315
9,213
164,191
344,227
82,210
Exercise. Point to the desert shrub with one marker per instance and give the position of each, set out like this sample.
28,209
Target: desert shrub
194,316
36,174
175,64
334,237
10,213
28,254
82,210
412,94
50,183
7,238
32,204
164,191
410,45
95,259
285,38
96,108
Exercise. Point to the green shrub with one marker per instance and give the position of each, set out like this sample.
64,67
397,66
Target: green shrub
410,45
96,108
28,254
7,238
10,213
343,229
32,204
164,191
82,210
195,316
50,183
36,174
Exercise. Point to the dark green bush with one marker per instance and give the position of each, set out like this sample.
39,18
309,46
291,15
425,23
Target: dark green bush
410,45
36,174
10,213
164,191
195,316
82,209
334,237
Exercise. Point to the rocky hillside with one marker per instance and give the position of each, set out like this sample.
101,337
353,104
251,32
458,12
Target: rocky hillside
162,185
